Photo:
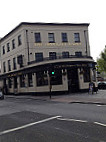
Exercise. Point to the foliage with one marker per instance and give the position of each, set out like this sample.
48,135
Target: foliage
101,62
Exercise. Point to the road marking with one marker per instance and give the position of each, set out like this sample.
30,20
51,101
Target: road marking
28,125
101,124
66,119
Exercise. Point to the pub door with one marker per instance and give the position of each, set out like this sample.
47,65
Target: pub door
73,82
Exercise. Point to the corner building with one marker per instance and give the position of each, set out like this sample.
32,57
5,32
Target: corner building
44,57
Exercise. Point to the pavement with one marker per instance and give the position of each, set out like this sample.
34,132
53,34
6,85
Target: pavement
99,98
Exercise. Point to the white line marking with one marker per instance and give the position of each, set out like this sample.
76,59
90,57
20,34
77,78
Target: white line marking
28,125
101,124
66,119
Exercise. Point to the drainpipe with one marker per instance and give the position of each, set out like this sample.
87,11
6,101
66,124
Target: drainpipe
27,41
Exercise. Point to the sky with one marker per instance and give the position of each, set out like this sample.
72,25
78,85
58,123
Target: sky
13,12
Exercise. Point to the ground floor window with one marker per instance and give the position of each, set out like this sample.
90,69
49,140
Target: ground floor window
56,77
15,82
22,81
86,74
10,82
41,78
30,80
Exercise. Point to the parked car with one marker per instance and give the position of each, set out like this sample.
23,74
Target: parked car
102,85
1,95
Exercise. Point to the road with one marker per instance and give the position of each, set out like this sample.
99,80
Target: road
24,120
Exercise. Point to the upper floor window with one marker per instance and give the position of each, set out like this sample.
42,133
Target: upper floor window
8,47
65,54
14,63
37,38
78,54
64,37
19,40
76,37
13,44
39,57
52,55
51,37
3,49
9,65
4,67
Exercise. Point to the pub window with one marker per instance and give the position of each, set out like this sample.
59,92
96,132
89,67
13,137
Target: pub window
13,44
64,37
86,74
56,77
8,47
3,49
10,82
9,65
37,38
41,78
4,67
22,81
76,37
30,80
51,37
65,54
39,57
19,40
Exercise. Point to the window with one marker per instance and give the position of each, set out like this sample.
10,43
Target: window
14,63
52,55
37,38
41,78
39,57
8,47
4,67
77,37
19,40
10,82
56,76
3,49
30,80
22,81
64,37
78,54
13,44
9,65
65,54
15,82
51,37
86,74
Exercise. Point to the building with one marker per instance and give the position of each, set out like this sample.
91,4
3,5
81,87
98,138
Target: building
45,57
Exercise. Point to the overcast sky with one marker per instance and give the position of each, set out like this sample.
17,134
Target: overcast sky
13,12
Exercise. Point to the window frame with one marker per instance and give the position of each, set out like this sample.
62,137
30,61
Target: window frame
19,40
8,47
64,37
51,38
37,37
77,37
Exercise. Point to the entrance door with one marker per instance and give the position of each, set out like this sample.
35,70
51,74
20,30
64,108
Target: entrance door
73,83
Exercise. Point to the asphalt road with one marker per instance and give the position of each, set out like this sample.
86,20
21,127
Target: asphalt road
24,120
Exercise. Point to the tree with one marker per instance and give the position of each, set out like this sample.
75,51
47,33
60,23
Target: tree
101,62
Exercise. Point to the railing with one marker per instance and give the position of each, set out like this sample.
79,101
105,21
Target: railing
56,58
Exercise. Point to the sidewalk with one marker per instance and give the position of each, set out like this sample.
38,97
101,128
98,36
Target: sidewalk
99,98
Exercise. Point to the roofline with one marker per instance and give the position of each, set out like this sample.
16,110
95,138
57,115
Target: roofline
41,23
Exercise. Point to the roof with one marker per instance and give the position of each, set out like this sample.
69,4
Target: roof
46,24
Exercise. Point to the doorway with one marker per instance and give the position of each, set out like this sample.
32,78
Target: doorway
73,82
